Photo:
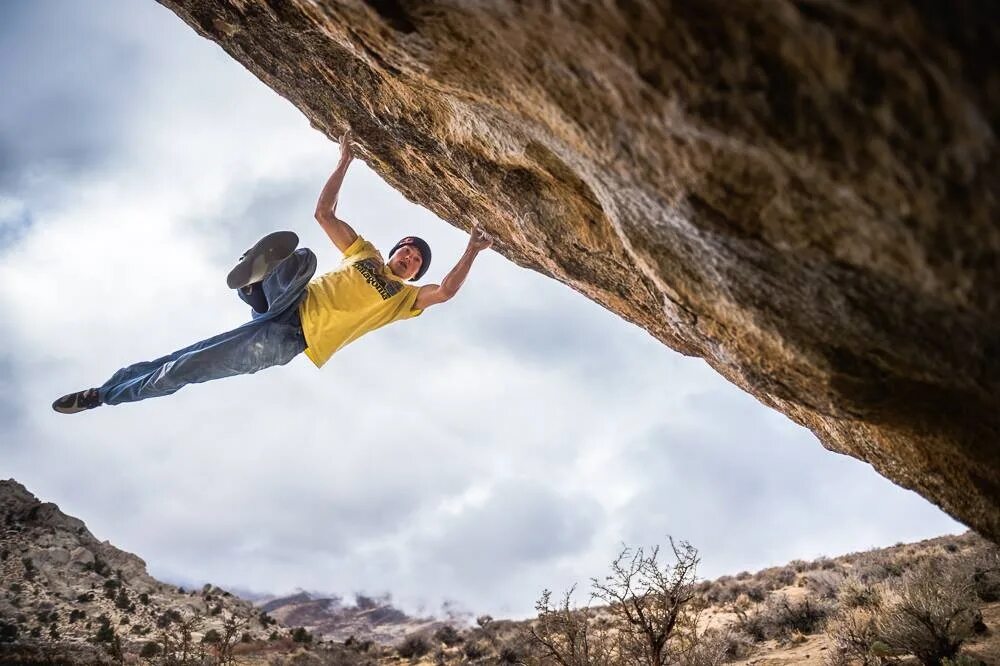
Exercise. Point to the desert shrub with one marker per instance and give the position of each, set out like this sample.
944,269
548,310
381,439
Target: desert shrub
301,635
475,650
121,599
755,592
167,618
805,616
855,636
962,660
721,591
75,615
855,593
781,618
650,609
149,650
15,588
358,645
715,647
144,599
735,644
751,621
274,636
800,565
211,636
105,634
448,635
9,631
824,583
986,574
98,566
776,577
29,568
933,614
413,647
567,634
509,655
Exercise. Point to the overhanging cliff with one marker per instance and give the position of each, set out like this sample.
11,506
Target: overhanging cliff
804,193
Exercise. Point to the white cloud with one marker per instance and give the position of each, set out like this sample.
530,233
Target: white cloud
502,443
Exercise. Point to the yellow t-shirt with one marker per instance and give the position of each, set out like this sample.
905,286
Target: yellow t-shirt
344,304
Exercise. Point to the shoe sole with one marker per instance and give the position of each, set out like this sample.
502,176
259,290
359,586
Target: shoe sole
261,259
74,408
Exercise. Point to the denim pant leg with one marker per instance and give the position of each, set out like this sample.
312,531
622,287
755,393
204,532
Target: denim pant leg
245,350
284,287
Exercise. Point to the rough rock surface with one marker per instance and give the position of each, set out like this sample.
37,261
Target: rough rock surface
57,581
59,585
802,192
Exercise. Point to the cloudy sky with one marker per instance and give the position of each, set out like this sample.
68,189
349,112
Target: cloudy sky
503,443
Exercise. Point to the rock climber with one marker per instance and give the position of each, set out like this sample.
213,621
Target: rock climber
292,312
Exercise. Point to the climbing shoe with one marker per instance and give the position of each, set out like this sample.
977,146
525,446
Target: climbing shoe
77,402
262,258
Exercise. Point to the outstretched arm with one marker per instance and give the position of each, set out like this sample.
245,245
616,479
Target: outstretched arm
339,231
431,294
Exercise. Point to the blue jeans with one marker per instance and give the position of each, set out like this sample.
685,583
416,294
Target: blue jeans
270,338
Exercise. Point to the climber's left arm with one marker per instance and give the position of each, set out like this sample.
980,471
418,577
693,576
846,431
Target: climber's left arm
432,294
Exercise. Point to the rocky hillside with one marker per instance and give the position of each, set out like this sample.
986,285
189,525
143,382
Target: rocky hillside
60,585
802,192
63,592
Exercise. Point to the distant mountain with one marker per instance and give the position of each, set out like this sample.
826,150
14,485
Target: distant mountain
368,619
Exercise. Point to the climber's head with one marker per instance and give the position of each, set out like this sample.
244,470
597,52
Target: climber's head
410,258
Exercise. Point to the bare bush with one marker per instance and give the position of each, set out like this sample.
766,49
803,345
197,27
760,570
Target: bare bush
824,583
856,638
855,593
780,618
569,635
986,573
647,605
649,602
933,614
413,647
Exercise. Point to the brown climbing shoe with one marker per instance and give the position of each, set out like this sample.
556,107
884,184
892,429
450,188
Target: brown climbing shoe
77,402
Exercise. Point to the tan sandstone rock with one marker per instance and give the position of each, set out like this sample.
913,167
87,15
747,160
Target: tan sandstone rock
802,192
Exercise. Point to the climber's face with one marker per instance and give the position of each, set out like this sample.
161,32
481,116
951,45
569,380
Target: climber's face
405,262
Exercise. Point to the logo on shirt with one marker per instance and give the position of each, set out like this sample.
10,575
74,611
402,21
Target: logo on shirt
371,269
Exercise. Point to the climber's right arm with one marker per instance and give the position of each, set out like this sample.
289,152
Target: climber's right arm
339,231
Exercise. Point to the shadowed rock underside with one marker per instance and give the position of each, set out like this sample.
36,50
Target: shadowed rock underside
803,193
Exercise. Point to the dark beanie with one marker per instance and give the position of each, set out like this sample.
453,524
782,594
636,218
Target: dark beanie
422,247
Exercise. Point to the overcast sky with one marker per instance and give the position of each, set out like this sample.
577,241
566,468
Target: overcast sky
505,442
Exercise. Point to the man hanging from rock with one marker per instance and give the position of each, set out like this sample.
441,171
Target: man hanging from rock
293,313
